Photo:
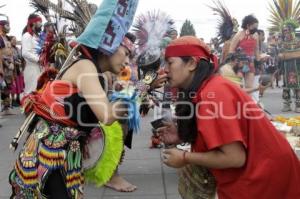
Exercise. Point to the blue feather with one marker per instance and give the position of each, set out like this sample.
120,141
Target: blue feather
41,41
133,108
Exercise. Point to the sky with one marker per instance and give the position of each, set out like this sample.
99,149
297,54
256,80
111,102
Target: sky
197,11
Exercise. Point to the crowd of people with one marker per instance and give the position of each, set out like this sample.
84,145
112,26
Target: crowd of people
234,63
11,69
99,86
20,65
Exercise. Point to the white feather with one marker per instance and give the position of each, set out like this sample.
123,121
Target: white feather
150,29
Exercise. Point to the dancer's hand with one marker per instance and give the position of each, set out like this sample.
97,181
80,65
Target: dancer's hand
168,133
174,158
120,110
264,57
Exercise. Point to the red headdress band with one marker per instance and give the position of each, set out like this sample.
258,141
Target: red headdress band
190,46
34,20
128,44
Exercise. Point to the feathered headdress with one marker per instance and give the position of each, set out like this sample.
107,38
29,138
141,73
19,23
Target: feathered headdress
52,46
4,15
227,25
284,13
2,7
80,14
150,29
112,17
40,7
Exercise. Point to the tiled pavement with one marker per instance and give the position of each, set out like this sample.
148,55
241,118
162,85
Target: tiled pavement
142,166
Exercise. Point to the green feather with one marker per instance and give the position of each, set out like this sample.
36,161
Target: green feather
78,158
110,157
70,160
284,12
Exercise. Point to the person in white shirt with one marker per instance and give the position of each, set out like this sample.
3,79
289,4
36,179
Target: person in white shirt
30,36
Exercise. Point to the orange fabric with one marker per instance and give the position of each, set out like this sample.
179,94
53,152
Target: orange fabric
272,169
125,74
50,103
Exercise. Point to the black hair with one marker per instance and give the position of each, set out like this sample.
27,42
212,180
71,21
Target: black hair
130,36
4,22
187,128
48,24
24,30
10,38
248,20
94,55
259,31
93,52
31,16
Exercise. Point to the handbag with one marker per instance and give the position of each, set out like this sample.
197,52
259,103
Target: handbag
196,182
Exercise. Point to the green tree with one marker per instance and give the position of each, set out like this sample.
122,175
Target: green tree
187,29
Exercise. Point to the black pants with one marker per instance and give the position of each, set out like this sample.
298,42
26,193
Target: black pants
55,187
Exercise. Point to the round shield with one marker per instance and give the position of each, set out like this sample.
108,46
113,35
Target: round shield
94,148
106,150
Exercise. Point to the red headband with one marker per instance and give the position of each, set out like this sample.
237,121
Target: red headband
189,46
128,44
34,20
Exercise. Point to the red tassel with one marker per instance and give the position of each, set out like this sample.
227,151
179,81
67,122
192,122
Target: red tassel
214,58
48,75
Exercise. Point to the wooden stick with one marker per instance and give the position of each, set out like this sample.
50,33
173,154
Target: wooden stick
14,143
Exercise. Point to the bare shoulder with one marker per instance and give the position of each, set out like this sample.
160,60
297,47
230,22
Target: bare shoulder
237,37
240,35
84,65
80,68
